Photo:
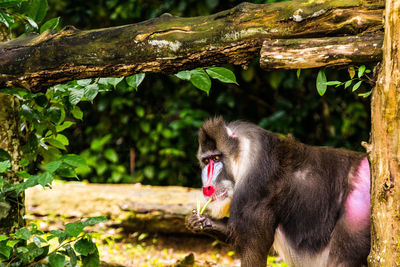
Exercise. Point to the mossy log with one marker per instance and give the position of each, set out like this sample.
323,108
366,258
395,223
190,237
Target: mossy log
137,208
169,44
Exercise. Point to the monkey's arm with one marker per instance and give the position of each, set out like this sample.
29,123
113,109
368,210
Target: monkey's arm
199,223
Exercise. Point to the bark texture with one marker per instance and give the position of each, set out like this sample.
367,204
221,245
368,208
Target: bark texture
385,148
11,215
320,52
169,44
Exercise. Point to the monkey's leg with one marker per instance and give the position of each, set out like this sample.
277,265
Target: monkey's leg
199,223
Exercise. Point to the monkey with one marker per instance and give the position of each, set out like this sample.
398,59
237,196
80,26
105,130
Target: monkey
310,203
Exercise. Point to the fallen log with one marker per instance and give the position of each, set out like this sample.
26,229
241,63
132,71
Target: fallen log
137,208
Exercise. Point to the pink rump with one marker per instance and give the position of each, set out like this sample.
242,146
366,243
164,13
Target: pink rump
358,202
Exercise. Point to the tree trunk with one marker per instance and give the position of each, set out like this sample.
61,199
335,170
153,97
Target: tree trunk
169,44
11,212
385,148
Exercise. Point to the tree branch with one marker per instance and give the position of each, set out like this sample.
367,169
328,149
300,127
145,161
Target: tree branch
169,44
319,52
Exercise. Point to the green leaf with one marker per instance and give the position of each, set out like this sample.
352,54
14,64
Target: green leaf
84,82
50,25
135,80
361,70
77,113
91,92
74,229
347,84
222,74
41,100
298,73
23,233
45,179
65,125
184,75
56,260
75,95
330,83
53,166
74,160
140,111
29,113
351,71
54,114
3,237
38,10
111,155
114,81
4,249
94,220
56,143
91,260
355,87
24,162
12,243
66,171
4,155
366,94
71,255
84,247
31,22
321,83
5,166
7,4
200,79
6,19
61,235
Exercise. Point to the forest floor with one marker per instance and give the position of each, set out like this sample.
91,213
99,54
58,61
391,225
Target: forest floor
119,246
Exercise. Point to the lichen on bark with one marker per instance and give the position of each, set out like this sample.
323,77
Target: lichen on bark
12,211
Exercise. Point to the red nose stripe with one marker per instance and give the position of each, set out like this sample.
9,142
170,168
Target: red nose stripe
210,171
208,190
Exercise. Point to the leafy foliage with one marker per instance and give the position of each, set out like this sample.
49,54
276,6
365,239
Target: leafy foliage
322,83
24,16
33,247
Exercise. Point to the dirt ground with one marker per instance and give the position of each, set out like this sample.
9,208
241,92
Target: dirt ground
52,208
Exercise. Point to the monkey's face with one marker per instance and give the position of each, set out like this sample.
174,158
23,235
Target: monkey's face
217,184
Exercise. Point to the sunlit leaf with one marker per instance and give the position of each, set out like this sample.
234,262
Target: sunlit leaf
348,83
45,179
50,25
74,160
74,229
85,247
361,70
6,19
298,73
321,83
183,75
56,260
94,220
135,80
356,86
366,94
222,74
38,10
200,79
53,166
77,113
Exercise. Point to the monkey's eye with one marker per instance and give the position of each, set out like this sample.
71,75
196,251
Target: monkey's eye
217,158
206,161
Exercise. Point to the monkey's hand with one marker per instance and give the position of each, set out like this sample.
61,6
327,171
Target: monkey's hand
198,222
